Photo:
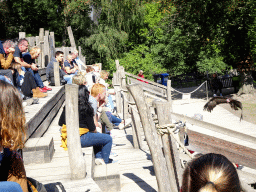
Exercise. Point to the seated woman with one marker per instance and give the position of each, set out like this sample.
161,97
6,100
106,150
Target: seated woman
29,57
12,134
101,143
25,82
6,55
212,173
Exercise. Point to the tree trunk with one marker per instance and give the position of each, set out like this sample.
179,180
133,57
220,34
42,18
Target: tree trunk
247,83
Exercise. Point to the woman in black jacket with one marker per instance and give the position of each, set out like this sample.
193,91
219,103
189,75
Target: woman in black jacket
101,143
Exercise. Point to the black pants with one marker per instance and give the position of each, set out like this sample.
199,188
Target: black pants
28,84
7,73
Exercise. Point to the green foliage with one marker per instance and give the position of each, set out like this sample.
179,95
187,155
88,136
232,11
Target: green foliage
107,43
210,64
138,59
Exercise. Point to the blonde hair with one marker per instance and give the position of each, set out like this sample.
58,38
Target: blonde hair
210,173
12,117
33,52
97,88
103,73
79,79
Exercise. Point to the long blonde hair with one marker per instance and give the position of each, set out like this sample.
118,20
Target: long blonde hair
12,117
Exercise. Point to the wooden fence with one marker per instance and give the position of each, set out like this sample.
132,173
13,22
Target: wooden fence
150,106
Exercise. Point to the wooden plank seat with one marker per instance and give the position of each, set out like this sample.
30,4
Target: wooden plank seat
38,119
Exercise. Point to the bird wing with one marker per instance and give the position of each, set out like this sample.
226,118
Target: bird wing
210,105
234,104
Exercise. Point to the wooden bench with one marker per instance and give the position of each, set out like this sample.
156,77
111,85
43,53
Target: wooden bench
227,82
38,119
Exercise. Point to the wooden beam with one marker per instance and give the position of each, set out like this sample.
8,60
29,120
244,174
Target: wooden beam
71,37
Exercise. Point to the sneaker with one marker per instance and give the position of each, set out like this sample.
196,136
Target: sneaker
99,161
214,95
47,88
42,90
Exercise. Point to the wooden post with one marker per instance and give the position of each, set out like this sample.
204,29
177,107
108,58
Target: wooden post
39,59
41,41
65,51
52,37
52,46
71,37
117,64
136,126
46,33
164,117
56,73
22,35
76,159
125,93
46,50
151,135
169,93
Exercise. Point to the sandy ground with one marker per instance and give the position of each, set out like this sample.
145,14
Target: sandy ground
249,107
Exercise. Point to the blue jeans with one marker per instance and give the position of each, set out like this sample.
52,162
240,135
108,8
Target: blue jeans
116,121
101,143
10,186
36,76
68,78
3,78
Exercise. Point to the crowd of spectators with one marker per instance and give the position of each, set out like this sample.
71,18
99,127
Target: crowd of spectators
19,68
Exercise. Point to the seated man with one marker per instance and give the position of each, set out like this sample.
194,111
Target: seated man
50,70
29,58
6,57
77,60
6,54
69,66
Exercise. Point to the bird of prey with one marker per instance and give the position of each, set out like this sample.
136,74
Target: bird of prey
234,104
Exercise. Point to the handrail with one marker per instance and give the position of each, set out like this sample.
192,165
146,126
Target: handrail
150,82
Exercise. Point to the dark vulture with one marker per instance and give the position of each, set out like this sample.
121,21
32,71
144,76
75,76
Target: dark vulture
234,104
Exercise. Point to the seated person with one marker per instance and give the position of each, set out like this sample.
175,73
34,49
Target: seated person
103,77
12,128
78,60
50,70
69,66
216,85
26,83
6,55
101,143
210,172
29,57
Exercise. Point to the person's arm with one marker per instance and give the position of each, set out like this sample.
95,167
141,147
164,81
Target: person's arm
68,70
6,63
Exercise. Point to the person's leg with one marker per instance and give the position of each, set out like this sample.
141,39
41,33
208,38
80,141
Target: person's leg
7,73
115,120
10,186
101,142
68,79
37,78
3,78
28,84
